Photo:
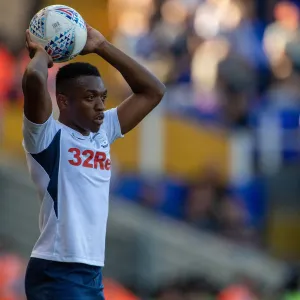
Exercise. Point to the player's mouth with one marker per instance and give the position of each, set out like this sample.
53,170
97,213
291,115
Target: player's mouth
99,119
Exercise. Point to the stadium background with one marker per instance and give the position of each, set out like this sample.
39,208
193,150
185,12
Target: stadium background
205,193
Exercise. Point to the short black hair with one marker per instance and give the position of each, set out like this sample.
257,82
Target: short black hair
75,70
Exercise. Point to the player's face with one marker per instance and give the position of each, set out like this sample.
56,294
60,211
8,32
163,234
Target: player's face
86,108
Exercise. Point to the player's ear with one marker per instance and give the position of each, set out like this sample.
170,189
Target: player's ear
62,101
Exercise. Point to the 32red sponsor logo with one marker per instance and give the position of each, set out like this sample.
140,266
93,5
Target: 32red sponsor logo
93,160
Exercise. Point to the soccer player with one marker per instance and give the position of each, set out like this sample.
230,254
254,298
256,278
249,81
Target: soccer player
69,162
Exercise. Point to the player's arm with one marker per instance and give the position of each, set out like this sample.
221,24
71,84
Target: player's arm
147,90
37,101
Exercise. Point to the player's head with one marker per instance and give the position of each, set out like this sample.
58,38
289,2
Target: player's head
81,95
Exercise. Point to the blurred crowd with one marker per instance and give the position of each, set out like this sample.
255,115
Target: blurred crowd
243,288
222,64
13,62
201,289
220,61
206,203
225,67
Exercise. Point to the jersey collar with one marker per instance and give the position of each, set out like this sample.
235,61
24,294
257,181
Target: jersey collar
75,134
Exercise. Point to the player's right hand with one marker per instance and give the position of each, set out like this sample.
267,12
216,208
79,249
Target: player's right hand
34,48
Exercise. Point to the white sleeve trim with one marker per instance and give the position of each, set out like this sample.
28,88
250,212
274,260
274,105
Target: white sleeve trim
115,111
30,123
112,125
37,137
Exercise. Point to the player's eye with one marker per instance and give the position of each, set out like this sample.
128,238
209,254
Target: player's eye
90,97
103,97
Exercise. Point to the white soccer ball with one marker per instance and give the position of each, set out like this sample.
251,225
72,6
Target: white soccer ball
61,30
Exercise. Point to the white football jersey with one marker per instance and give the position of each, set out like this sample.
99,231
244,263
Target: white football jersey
72,175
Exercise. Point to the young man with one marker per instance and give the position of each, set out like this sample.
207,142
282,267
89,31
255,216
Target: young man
69,162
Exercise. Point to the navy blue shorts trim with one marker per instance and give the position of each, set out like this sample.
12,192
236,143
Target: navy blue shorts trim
51,280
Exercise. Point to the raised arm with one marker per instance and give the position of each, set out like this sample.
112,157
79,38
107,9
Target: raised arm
147,90
37,101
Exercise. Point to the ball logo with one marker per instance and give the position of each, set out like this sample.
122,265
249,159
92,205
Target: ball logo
56,26
93,160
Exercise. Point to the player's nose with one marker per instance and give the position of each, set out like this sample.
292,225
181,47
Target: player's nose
99,105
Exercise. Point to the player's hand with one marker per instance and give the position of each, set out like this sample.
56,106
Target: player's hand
34,48
95,40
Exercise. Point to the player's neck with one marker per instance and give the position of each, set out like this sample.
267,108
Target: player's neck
73,126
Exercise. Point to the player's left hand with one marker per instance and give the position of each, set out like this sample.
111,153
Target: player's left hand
95,40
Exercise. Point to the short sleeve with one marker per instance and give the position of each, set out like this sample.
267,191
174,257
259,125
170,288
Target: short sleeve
37,137
111,125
